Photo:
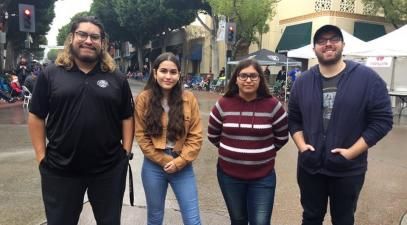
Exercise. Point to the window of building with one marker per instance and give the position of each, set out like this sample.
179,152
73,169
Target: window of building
347,6
322,5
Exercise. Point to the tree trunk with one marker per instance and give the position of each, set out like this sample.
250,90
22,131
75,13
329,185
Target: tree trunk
214,64
10,62
140,58
214,47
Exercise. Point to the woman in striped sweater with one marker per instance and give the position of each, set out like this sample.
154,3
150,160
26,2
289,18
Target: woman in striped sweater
248,126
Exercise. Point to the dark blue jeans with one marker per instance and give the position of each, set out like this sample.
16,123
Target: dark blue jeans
248,201
343,193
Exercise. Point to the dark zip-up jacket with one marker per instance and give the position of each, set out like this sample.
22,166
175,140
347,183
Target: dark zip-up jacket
362,108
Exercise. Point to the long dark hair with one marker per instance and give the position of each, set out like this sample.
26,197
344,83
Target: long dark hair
233,89
154,126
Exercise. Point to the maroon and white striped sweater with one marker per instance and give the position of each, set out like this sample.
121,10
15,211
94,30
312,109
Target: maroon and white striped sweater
248,135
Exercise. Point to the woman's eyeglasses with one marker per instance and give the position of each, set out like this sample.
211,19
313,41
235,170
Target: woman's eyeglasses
244,76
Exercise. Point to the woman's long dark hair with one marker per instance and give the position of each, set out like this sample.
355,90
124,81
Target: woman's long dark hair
154,126
233,89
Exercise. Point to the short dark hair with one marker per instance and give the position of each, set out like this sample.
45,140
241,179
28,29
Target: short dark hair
325,29
88,19
233,89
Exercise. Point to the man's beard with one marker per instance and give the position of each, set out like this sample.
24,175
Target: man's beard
85,59
329,62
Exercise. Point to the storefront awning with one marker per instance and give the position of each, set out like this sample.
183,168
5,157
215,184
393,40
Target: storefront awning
368,31
295,36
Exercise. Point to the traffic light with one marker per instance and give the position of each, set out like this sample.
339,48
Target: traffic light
26,18
231,33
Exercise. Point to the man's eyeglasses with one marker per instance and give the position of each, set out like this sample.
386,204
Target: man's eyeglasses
82,36
333,40
244,76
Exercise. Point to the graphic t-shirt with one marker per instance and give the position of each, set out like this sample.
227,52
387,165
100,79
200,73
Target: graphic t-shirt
329,87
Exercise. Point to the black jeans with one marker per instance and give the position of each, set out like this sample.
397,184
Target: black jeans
63,196
343,193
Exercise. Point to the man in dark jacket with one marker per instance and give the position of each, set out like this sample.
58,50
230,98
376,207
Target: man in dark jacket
337,110
22,70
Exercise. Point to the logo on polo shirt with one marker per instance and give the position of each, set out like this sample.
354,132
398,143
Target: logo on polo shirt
102,83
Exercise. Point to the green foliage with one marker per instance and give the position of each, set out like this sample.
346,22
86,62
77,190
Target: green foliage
64,30
145,20
395,11
52,54
44,14
250,16
103,9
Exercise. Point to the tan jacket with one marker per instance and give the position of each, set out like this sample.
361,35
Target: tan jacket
187,147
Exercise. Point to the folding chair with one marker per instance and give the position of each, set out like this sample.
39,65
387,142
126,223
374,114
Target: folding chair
27,96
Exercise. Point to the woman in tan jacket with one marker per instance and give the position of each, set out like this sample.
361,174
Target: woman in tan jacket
169,132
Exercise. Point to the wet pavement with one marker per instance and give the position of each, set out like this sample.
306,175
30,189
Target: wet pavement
383,200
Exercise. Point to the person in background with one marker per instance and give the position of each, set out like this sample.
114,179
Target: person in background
222,72
84,107
16,89
294,73
31,80
169,133
337,110
267,74
248,126
282,74
22,70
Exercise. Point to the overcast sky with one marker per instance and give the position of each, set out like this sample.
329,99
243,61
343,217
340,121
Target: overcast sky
64,11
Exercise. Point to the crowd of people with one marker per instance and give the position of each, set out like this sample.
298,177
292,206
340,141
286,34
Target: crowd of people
12,82
84,107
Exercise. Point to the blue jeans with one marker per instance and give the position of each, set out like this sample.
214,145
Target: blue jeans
183,183
248,201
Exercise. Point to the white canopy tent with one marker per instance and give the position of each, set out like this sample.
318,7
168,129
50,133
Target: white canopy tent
269,58
390,45
351,44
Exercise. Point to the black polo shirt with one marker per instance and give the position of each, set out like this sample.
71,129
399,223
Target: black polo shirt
84,114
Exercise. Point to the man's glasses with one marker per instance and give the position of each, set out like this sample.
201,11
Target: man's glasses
82,36
244,76
333,40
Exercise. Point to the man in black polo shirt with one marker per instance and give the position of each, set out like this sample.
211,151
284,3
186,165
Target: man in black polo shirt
84,107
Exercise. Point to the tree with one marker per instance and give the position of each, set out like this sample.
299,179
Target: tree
146,19
52,54
250,17
395,11
103,9
64,30
44,14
